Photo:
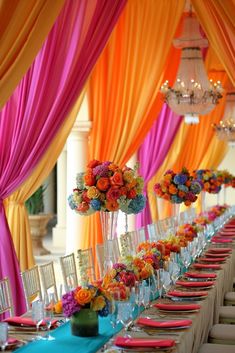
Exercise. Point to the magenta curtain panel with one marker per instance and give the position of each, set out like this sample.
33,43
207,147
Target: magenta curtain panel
156,144
42,101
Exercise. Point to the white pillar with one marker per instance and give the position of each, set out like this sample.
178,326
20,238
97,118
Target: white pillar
59,231
49,195
77,148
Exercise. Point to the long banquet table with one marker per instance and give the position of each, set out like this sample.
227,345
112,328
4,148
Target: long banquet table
187,340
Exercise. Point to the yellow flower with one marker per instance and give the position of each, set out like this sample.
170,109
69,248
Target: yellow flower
93,192
128,176
98,303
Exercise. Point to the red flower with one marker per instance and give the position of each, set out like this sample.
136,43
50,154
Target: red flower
131,194
89,179
83,207
113,194
92,164
116,179
112,205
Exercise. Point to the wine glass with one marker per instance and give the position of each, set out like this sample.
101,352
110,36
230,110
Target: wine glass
3,335
185,258
174,271
160,281
38,315
49,314
125,311
146,295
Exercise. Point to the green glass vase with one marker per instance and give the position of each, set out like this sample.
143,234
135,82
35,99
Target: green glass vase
85,323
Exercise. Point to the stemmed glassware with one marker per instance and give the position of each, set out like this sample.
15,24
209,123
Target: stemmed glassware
125,312
49,314
113,309
38,315
185,257
3,335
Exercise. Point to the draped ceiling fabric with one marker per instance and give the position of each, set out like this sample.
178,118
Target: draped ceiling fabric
156,145
124,86
217,18
194,141
42,101
24,25
16,213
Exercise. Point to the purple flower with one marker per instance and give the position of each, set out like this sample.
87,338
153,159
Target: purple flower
180,179
101,170
119,266
70,305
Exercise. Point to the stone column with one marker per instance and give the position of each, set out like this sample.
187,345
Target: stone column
77,148
59,231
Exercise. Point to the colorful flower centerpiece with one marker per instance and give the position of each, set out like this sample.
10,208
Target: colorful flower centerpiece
209,180
151,253
178,187
104,186
188,231
83,305
224,177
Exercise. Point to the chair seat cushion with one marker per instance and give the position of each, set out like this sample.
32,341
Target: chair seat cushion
216,348
223,332
227,312
230,296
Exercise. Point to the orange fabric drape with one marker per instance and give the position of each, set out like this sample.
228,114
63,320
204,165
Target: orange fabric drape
217,18
24,25
191,141
125,83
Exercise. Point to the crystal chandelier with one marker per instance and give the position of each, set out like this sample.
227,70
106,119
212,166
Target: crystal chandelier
192,93
225,130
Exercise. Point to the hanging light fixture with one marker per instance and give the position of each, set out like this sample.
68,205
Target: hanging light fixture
192,93
225,130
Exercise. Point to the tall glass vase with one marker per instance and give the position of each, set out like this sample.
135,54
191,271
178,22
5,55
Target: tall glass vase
176,214
109,226
224,191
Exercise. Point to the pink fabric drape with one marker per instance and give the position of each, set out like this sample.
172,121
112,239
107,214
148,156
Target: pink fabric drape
153,152
41,102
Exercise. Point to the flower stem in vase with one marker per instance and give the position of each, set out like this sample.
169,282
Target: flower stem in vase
203,201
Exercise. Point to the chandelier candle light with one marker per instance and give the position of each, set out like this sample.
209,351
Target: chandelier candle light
225,130
192,93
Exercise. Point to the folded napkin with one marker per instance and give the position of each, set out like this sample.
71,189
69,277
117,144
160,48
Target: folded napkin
218,250
142,342
25,321
12,341
195,284
176,307
211,266
221,240
226,233
221,255
200,275
229,226
213,259
177,293
163,324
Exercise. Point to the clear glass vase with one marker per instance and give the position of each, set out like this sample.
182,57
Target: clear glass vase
85,323
109,226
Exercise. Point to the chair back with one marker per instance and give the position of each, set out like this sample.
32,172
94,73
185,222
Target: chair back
47,273
32,285
6,302
69,271
86,257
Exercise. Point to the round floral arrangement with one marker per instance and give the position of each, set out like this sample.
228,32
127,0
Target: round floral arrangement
209,180
150,253
224,177
188,231
104,186
178,187
91,297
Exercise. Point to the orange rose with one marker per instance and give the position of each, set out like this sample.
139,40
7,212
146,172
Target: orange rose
58,308
112,205
83,207
93,163
103,184
172,189
166,197
123,190
83,296
116,179
89,179
187,203
181,194
113,167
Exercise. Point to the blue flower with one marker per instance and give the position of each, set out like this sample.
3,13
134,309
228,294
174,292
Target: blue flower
180,179
137,204
95,204
176,199
183,188
71,202
195,187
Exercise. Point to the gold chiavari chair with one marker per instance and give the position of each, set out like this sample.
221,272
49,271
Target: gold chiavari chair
47,273
32,285
69,271
86,257
6,302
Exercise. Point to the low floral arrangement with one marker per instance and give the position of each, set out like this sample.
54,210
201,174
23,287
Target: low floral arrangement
172,244
202,219
188,231
151,253
178,187
91,297
104,186
209,180
232,182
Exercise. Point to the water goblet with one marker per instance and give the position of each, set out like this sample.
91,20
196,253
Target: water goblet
3,335
49,314
125,311
38,315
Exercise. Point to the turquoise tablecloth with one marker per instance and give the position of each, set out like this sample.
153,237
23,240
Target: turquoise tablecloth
66,343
